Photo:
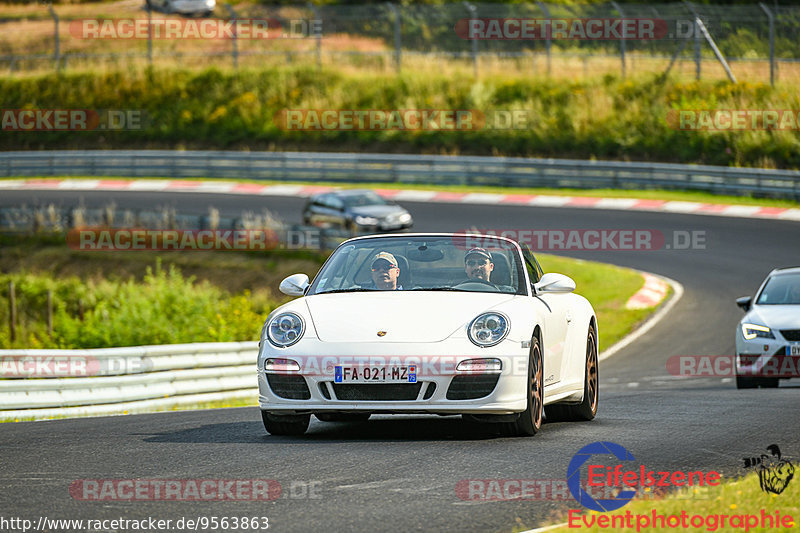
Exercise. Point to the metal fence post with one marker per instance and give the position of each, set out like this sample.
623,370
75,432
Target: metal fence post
548,42
697,59
716,51
57,50
771,42
234,43
621,39
318,36
472,11
149,34
397,37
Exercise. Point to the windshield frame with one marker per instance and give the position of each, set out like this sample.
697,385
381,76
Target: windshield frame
524,284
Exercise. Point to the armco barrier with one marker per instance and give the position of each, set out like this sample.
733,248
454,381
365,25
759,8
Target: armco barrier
393,168
127,379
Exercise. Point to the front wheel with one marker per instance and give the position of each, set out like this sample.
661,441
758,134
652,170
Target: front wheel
587,409
285,424
530,420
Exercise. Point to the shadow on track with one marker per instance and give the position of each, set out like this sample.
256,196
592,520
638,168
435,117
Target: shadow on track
380,428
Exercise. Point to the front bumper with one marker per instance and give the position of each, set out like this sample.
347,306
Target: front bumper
762,357
436,363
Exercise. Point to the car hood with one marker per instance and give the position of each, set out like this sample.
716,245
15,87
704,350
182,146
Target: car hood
405,316
377,211
775,316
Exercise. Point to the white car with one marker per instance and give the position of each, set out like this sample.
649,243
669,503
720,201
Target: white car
768,337
184,7
410,324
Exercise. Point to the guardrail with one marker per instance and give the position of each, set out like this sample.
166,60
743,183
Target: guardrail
414,169
48,383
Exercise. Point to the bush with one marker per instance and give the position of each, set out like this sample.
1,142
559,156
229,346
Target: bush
605,118
164,308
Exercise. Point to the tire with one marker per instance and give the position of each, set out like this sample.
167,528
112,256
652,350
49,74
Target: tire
530,420
746,383
285,425
769,383
343,417
587,409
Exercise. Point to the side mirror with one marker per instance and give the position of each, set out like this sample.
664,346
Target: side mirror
745,302
552,282
294,285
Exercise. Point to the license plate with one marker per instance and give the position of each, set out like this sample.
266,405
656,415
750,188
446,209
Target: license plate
375,374
793,349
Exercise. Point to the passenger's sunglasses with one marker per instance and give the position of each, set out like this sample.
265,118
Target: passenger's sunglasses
382,266
475,262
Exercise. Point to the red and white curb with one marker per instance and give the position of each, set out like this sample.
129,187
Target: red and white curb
655,318
650,295
534,200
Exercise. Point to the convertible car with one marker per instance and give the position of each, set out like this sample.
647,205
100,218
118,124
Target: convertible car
446,324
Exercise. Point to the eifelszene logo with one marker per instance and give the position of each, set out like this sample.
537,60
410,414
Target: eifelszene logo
774,472
615,476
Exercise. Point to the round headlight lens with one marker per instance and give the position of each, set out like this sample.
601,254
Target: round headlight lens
488,329
285,329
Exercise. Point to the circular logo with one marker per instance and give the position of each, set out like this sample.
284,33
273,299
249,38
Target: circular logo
574,476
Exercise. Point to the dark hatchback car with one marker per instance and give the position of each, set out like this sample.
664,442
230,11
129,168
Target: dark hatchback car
357,211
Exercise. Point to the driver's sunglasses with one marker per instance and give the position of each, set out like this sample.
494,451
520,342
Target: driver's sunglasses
382,266
476,262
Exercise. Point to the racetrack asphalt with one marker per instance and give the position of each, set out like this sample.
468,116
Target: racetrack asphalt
400,473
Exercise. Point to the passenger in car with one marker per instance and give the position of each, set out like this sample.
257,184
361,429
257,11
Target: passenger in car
385,272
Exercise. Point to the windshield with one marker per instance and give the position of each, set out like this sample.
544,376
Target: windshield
366,198
783,289
423,263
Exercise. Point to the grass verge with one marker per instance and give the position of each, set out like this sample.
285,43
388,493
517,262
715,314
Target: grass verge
648,194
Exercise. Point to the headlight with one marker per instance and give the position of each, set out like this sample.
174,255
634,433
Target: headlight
405,217
751,331
285,329
488,329
366,221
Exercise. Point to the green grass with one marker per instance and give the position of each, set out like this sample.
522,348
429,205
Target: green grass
608,288
602,118
733,497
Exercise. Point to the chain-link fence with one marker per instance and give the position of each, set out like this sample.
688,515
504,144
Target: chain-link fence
744,42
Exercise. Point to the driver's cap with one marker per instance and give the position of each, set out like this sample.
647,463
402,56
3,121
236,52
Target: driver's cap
478,251
386,256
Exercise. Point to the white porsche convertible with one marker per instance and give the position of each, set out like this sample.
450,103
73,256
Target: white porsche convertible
441,324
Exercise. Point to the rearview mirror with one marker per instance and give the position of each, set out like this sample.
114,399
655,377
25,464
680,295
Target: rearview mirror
552,282
745,302
294,285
